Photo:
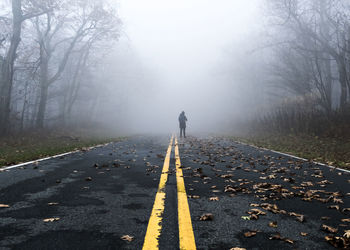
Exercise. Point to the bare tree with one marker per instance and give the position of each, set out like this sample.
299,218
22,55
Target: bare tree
8,61
60,35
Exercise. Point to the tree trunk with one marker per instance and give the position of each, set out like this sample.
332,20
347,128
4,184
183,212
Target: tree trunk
44,86
7,65
343,83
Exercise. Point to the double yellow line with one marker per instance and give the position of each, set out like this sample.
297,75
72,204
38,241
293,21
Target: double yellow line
154,228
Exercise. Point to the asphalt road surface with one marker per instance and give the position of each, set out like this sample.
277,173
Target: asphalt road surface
194,193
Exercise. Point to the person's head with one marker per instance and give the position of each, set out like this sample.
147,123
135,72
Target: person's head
183,112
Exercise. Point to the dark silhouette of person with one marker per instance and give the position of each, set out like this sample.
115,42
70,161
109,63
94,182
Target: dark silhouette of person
182,121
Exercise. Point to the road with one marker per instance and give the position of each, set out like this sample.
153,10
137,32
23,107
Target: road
213,192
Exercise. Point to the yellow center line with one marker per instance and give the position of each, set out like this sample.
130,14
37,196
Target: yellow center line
186,235
154,225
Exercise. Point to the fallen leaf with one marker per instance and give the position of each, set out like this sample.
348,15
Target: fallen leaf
290,241
250,234
273,224
256,211
336,200
4,205
334,207
254,217
329,229
88,178
194,196
214,198
347,234
345,220
52,203
127,237
303,234
245,217
276,236
51,219
237,248
254,205
338,242
207,216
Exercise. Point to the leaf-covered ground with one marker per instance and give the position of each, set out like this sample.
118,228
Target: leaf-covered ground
263,200
31,146
331,151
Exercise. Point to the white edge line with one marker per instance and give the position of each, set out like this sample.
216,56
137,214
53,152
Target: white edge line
50,157
295,157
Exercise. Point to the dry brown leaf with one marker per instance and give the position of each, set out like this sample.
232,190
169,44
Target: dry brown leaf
127,237
336,200
52,203
334,207
273,224
51,219
276,236
237,248
338,242
214,198
194,196
206,217
290,241
257,211
250,234
4,205
254,205
347,234
345,220
329,229
254,217
303,234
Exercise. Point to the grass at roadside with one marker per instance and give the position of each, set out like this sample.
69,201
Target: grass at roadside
331,151
35,145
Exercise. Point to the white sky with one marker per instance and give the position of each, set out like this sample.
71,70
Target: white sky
183,36
183,42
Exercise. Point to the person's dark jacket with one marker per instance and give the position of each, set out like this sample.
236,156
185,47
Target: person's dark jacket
182,120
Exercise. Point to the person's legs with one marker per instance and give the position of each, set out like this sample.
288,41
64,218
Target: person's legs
184,132
181,129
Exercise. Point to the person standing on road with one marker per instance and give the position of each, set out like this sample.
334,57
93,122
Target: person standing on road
182,121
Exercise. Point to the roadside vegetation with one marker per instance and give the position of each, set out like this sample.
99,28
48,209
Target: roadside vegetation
328,150
308,109
34,145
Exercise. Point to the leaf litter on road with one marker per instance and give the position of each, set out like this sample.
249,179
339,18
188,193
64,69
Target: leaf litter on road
281,181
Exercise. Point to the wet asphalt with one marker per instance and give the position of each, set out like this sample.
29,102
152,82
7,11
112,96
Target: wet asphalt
102,194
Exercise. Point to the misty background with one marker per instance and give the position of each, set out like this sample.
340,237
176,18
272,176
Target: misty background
192,56
132,66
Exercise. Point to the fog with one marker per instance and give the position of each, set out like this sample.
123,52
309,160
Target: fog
194,56
131,66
